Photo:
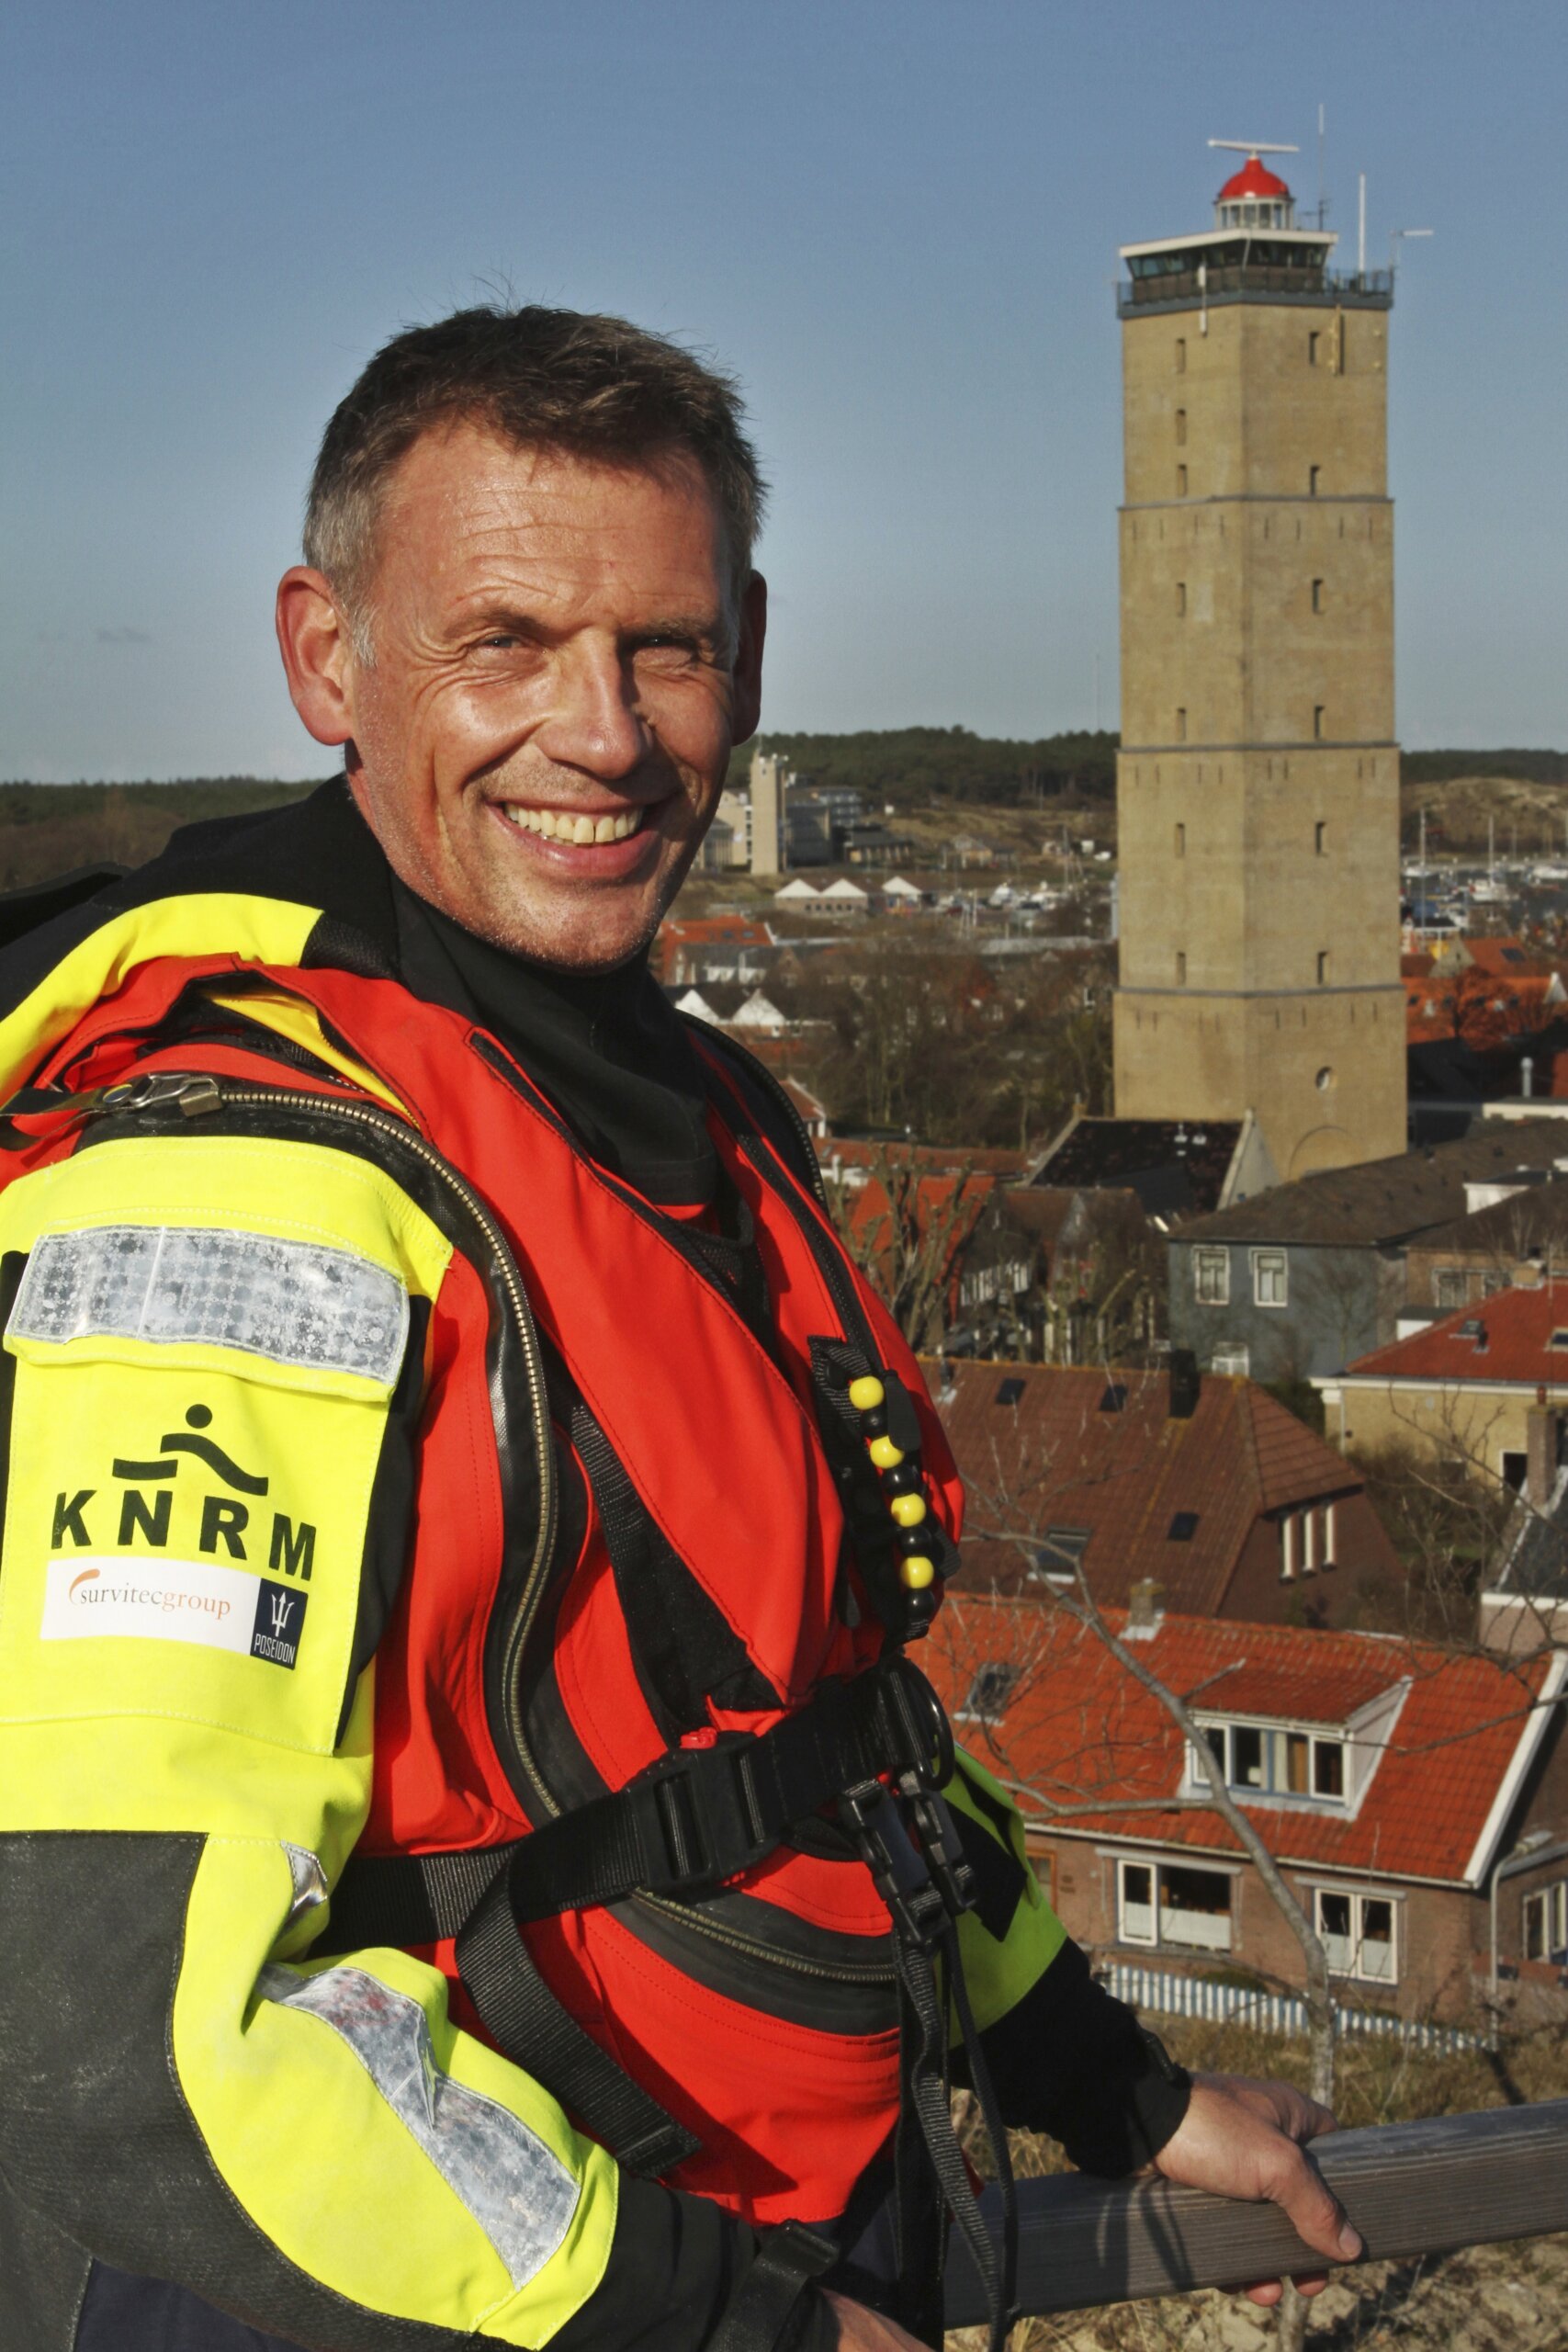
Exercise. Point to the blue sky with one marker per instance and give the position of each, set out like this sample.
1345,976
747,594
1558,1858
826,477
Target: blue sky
898,222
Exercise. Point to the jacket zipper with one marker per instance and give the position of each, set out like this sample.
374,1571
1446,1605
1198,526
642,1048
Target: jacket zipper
752,1947
194,1096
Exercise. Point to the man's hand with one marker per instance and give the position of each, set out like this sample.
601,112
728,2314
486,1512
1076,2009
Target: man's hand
862,2330
1244,2139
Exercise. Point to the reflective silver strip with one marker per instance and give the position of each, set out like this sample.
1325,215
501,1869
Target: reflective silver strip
519,2192
293,1302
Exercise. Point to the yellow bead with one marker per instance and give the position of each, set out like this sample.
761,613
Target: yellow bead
908,1510
917,1571
867,1392
884,1453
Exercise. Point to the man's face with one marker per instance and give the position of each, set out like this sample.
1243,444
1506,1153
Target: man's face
560,673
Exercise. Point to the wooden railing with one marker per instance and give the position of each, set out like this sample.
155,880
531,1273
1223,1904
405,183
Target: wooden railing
1427,2188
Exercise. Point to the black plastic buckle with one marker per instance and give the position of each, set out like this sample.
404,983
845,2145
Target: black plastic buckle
898,1867
697,1816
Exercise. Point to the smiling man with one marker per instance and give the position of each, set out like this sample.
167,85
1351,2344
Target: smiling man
486,1868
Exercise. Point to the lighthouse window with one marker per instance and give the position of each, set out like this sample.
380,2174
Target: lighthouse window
1180,427
1181,481
1314,339
1315,475
1181,355
1181,598
1317,595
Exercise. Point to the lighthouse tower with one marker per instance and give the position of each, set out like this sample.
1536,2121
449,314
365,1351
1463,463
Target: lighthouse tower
1258,785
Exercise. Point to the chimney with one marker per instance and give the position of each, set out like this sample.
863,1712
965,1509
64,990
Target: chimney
1185,1381
1541,1454
1143,1612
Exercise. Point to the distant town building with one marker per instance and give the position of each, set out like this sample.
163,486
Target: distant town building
766,837
1257,783
1209,1487
1296,1283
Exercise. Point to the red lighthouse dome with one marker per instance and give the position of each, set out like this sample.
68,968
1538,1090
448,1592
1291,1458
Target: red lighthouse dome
1254,179
1255,199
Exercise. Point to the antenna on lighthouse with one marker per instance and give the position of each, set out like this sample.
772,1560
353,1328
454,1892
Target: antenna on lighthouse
1322,192
1254,147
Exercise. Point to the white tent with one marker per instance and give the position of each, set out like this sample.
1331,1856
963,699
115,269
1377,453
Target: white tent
897,887
697,1005
796,893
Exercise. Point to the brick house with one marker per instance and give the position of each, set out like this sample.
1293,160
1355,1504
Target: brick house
1209,1489
1391,1781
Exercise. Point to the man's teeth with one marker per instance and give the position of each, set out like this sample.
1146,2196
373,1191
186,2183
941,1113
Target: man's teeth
559,825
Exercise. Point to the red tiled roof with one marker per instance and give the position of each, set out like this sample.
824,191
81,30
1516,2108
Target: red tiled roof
1053,1456
1504,959
716,931
1416,968
1077,1728
932,1158
1516,1325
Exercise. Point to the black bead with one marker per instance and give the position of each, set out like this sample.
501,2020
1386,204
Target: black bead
875,1423
916,1539
904,1478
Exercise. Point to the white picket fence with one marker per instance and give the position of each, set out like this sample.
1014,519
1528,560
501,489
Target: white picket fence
1170,1994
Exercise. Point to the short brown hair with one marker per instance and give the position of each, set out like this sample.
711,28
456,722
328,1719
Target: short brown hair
590,385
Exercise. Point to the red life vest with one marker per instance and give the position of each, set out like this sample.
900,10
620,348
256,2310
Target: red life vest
707,1569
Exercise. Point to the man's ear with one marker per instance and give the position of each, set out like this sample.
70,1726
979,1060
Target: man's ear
747,674
317,659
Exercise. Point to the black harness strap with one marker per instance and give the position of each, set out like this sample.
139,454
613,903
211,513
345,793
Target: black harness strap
531,2028
695,1819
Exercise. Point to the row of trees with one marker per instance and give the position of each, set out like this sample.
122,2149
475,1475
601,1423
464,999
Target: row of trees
939,1044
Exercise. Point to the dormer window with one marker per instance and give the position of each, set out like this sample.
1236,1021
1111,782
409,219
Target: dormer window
989,1692
1263,1759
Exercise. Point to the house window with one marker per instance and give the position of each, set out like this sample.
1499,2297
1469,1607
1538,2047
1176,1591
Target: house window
1546,1923
1212,1277
1450,1288
1358,1935
1055,1558
1114,1398
1317,595
1194,1908
1181,355
1180,599
1181,481
1514,1468
1232,1358
1270,1278
1314,340
1008,1392
1262,1759
989,1692
1183,1527
1135,1919
1164,1902
1314,474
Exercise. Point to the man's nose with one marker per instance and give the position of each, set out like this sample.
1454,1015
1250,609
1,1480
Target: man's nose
594,723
